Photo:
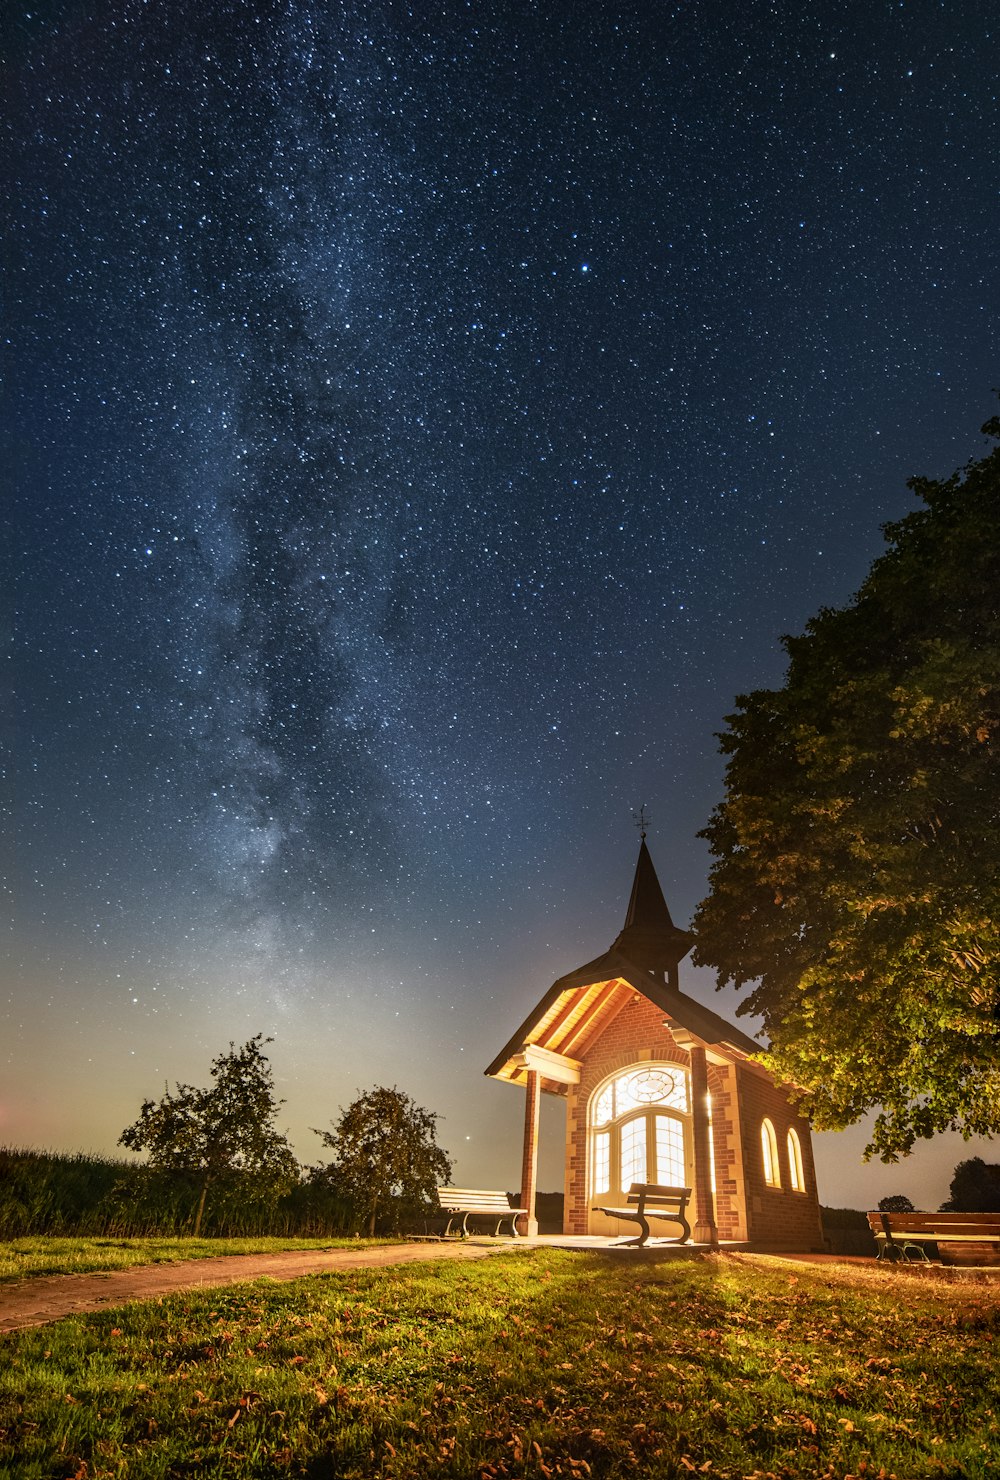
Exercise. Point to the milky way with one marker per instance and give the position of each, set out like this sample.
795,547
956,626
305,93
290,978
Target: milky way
426,421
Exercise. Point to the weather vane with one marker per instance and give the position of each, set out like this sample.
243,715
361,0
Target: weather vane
641,820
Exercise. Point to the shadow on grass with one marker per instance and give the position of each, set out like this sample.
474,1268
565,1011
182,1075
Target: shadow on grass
536,1362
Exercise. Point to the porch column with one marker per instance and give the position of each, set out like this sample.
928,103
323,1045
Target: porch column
529,1161
705,1231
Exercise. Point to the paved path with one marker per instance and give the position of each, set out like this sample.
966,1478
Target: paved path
51,1297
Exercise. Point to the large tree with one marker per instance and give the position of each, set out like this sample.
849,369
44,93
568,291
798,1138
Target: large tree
220,1132
856,882
975,1188
386,1157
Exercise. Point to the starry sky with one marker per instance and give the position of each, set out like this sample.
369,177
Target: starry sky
425,420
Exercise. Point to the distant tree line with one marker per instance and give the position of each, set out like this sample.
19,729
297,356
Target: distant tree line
217,1164
385,1167
975,1188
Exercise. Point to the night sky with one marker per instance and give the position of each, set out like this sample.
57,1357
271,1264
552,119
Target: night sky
425,420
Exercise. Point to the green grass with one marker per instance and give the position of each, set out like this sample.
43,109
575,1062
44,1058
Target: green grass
527,1364
27,1258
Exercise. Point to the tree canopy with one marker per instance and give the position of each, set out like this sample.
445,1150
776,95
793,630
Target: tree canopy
975,1188
212,1133
386,1157
856,881
898,1202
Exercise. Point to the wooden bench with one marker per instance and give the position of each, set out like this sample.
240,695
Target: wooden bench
468,1202
959,1238
648,1200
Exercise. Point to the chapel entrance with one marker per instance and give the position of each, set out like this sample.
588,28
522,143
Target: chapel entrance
638,1130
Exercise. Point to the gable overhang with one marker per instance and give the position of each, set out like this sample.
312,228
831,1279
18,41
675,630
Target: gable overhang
576,1010
557,1034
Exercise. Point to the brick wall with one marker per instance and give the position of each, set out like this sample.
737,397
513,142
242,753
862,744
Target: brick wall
777,1217
730,1214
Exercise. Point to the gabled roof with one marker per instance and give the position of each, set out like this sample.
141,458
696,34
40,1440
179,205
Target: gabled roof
579,1006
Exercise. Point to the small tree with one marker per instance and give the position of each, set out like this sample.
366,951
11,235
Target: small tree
210,1134
386,1156
897,1203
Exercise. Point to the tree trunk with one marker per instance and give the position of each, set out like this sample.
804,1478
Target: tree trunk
371,1221
201,1208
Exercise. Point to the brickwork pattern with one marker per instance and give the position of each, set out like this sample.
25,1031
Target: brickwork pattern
729,1215
776,1216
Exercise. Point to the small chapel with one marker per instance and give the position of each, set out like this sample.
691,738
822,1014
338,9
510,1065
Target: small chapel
660,1089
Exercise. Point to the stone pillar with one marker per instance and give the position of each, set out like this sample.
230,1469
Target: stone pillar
705,1231
529,1162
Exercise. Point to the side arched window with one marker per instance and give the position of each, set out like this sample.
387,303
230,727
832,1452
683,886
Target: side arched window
769,1151
795,1172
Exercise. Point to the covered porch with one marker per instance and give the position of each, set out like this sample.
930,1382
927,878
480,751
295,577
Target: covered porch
641,1114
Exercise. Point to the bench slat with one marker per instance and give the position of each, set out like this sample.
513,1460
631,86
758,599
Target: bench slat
897,1233
477,1202
938,1222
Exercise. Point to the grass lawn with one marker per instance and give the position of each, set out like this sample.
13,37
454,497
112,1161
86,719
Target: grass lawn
24,1258
535,1363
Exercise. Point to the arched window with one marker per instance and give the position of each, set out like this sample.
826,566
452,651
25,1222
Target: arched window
769,1149
637,1123
795,1172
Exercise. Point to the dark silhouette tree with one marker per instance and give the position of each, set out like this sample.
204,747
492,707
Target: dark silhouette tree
975,1188
223,1131
856,882
897,1203
386,1158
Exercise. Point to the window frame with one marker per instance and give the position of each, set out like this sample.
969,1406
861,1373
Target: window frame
796,1169
605,1139
769,1154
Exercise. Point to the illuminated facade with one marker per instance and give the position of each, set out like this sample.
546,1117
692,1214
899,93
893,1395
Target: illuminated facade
659,1088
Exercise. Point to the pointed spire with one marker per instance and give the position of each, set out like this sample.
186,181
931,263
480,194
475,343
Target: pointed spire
646,906
649,936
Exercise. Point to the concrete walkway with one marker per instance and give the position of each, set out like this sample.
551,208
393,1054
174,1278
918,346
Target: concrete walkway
37,1302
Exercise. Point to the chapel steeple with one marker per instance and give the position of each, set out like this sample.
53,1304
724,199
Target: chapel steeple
649,936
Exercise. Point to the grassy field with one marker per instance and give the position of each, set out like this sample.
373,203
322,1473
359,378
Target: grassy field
27,1258
528,1364
83,1195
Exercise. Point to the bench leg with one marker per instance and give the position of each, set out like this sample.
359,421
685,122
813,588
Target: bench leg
915,1254
642,1240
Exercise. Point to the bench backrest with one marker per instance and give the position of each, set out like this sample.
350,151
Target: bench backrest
653,1195
472,1199
967,1224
